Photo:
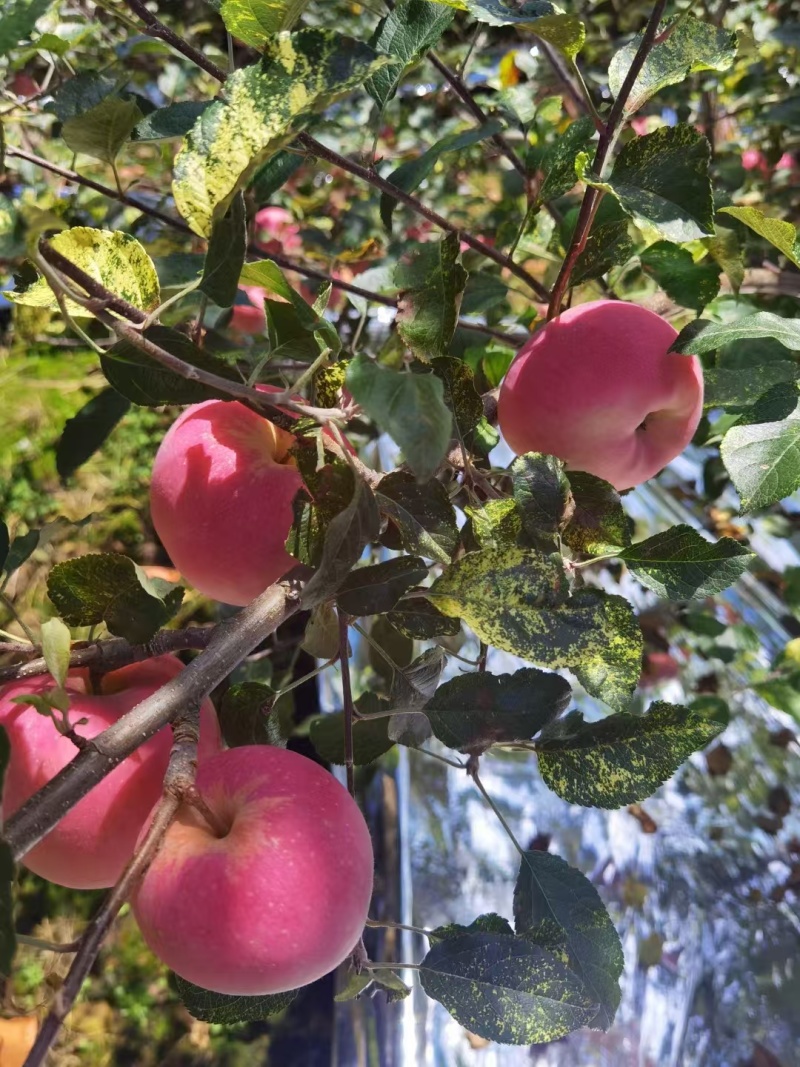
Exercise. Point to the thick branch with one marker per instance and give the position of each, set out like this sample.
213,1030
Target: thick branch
592,196
232,640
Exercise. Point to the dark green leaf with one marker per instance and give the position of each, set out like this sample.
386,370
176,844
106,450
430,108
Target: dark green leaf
690,284
474,711
419,619
431,281
422,513
735,387
598,524
112,589
704,336
490,923
406,34
624,758
227,247
245,716
680,564
518,601
174,120
409,407
691,46
294,319
549,897
662,179
146,382
103,130
376,589
273,175
506,989
5,542
80,94
370,736
222,1009
608,244
411,690
86,432
542,493
558,162
8,937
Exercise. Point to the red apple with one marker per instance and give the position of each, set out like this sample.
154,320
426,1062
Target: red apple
221,499
276,230
250,317
598,388
91,845
278,901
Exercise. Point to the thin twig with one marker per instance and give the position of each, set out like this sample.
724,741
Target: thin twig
472,771
347,701
155,28
592,196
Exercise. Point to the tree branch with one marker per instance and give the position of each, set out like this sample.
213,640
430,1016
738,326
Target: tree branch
592,196
155,28
231,641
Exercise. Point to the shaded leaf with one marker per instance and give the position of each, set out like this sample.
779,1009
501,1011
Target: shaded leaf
680,564
86,432
623,758
103,130
411,690
558,162
113,590
474,711
419,619
370,736
608,245
598,524
422,513
225,1010
304,318
552,898
431,282
227,247
690,284
374,590
490,923
542,493
505,989
245,716
732,387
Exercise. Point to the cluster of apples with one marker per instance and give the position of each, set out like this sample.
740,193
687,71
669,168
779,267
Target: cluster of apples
282,897
276,902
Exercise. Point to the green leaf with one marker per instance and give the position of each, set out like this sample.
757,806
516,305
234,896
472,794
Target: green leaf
472,712
680,564
565,32
370,736
705,336
375,590
255,21
245,716
269,276
409,176
114,259
431,282
724,249
321,637
56,644
113,590
222,1009
550,896
518,601
86,432
8,937
409,407
624,758
5,543
690,284
150,384
263,107
608,245
17,21
735,387
25,544
80,94
384,980
782,235
422,513
270,177
227,248
542,493
690,47
558,162
662,180
174,120
405,34
412,688
420,620
763,457
506,989
460,393
345,538
103,130
490,923
598,524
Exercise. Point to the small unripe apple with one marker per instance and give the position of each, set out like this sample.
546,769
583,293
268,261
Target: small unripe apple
281,898
599,388
221,499
90,846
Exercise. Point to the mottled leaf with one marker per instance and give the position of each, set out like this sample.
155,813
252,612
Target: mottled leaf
87,431
497,523
174,120
662,180
552,898
558,162
474,711
691,46
409,407
608,245
690,284
420,620
256,21
542,493
735,387
598,524
566,32
680,564
624,758
506,989
422,513
262,107
490,923
460,393
223,1009
518,601
111,589
375,589
431,282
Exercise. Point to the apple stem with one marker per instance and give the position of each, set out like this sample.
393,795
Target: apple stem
347,700
193,797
